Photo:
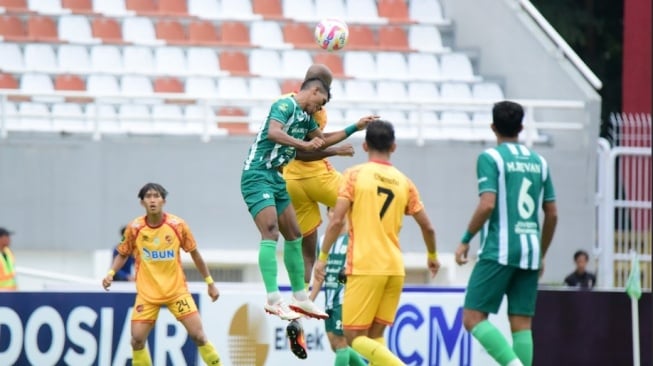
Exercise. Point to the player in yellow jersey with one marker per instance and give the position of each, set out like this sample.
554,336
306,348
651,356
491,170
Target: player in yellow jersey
155,240
374,197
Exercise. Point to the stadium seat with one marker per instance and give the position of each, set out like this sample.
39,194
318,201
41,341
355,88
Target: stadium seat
299,10
202,61
10,111
12,28
206,9
106,116
108,30
235,62
139,30
481,122
42,29
106,59
269,9
337,89
267,34
34,117
257,116
456,125
359,64
264,87
195,118
396,116
199,86
168,118
136,84
36,83
46,7
40,57
361,10
172,7
12,58
170,61
78,6
391,65
75,29
395,10
422,90
8,81
298,34
235,34
487,91
425,38
69,82
294,63
202,33
331,9
135,118
69,117
142,7
425,11
332,61
392,91
265,63
14,5
456,66
361,37
73,58
235,126
138,60
290,86
427,124
359,89
393,38
423,66
455,91
237,9
354,114
232,87
102,84
168,85
171,31
111,7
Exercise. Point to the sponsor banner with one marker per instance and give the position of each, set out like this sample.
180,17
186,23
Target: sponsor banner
85,328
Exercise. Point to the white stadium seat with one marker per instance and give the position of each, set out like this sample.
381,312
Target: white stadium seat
111,7
12,57
76,29
135,84
330,9
456,66
392,91
138,60
195,115
47,7
457,125
168,118
40,57
455,91
106,116
69,117
135,118
73,58
170,61
423,66
424,38
237,9
425,10
391,65
263,87
265,62
139,30
207,9
487,91
200,86
299,9
361,10
359,89
337,90
266,34
202,61
421,90
359,64
102,84
295,63
34,116
232,87
38,83
10,111
106,59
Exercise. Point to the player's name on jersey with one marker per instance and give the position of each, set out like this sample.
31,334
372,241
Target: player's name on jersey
386,180
523,167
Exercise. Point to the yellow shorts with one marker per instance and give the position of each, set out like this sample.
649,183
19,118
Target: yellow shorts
180,307
370,298
306,193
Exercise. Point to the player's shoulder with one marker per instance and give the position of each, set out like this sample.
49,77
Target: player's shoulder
174,220
137,223
285,103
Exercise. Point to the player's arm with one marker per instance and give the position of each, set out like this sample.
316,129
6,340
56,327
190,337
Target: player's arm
481,214
548,225
277,135
332,138
416,209
333,230
315,290
340,150
204,271
123,252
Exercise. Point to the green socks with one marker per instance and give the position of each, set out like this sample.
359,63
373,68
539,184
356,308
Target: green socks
354,358
342,357
294,261
267,263
494,342
522,344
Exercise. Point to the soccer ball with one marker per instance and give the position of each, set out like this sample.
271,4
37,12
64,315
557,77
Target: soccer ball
331,34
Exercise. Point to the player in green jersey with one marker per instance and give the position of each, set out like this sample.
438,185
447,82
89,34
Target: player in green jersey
288,127
334,292
513,182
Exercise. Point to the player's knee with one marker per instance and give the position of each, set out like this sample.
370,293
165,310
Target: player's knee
199,338
138,343
271,231
471,318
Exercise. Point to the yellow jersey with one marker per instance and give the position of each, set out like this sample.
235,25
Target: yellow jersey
159,275
380,196
297,169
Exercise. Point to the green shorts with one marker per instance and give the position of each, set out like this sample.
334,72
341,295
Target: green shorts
263,188
333,324
490,281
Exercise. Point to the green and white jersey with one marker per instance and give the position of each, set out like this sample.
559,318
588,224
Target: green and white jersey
521,180
334,290
265,153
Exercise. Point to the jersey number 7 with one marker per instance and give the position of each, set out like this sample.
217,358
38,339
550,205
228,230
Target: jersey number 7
389,196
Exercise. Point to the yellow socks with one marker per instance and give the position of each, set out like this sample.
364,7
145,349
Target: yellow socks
209,354
141,357
375,352
380,340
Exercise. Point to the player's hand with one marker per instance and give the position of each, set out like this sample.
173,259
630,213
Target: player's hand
433,266
106,282
345,150
214,293
364,121
319,271
461,253
315,144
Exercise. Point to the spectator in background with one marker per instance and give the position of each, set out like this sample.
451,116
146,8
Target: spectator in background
581,277
126,272
7,262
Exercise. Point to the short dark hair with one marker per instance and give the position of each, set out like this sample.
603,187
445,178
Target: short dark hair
581,253
122,230
155,186
380,135
507,118
320,83
5,232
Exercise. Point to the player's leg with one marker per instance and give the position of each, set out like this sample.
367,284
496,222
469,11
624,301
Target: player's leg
522,296
487,285
345,355
309,252
308,217
185,311
363,296
294,261
144,316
